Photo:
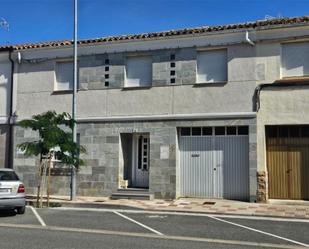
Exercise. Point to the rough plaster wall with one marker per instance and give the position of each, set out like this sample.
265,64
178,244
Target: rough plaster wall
5,87
241,63
280,106
36,77
35,85
285,105
210,98
4,145
268,62
238,97
35,103
259,63
36,82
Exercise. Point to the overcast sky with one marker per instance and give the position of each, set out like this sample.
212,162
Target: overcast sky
44,20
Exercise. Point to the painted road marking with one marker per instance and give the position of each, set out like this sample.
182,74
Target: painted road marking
259,231
150,236
138,223
38,216
261,218
128,211
155,216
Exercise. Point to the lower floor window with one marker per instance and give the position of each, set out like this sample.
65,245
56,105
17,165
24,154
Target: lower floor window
217,131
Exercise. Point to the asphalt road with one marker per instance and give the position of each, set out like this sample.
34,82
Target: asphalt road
69,228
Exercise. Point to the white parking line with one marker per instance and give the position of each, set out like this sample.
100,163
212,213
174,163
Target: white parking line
260,218
38,216
259,231
138,223
128,211
150,236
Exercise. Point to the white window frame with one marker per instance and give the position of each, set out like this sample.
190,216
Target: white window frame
126,68
201,50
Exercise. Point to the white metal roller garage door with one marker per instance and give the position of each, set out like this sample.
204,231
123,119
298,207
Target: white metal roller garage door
214,162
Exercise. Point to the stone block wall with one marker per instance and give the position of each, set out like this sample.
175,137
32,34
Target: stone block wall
101,175
97,70
26,167
262,190
252,161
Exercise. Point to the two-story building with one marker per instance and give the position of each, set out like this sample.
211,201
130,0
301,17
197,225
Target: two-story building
172,113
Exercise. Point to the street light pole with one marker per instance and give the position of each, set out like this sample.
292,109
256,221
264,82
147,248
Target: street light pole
73,170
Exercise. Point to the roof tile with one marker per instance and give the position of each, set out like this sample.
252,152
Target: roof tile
180,32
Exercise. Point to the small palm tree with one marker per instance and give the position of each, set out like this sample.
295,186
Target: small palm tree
55,140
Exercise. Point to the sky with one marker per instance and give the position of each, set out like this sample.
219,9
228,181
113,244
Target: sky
46,20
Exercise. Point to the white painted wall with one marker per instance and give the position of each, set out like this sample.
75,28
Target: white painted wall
35,83
280,106
5,86
248,66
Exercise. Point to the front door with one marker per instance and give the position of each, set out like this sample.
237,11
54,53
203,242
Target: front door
140,164
288,170
287,148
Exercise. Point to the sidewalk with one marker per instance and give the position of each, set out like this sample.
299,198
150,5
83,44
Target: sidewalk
212,206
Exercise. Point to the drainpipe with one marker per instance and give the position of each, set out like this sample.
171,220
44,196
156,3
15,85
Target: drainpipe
260,87
10,147
248,39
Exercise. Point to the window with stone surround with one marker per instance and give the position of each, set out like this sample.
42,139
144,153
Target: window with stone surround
138,71
294,59
212,66
64,76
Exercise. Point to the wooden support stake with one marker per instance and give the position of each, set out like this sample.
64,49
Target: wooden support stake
39,184
48,179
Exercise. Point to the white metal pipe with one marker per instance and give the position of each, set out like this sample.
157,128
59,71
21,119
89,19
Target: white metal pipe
19,57
248,39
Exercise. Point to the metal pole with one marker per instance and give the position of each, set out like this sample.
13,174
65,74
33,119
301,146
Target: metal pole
73,171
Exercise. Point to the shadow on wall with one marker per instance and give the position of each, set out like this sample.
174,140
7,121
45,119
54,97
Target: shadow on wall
4,94
4,146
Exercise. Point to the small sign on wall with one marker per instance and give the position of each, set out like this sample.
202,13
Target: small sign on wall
164,152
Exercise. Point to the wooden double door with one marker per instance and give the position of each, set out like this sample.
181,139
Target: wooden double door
288,168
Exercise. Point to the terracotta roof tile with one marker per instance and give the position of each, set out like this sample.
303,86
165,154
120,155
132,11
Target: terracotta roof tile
172,33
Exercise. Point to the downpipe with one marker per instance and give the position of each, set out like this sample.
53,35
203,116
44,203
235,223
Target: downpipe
248,39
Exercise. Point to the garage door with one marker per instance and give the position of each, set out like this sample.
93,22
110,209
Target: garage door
214,162
288,162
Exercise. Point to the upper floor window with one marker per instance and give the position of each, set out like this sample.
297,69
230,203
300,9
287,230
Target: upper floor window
294,61
212,66
64,76
138,71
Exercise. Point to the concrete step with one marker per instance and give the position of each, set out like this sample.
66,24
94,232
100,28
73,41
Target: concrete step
133,194
133,190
